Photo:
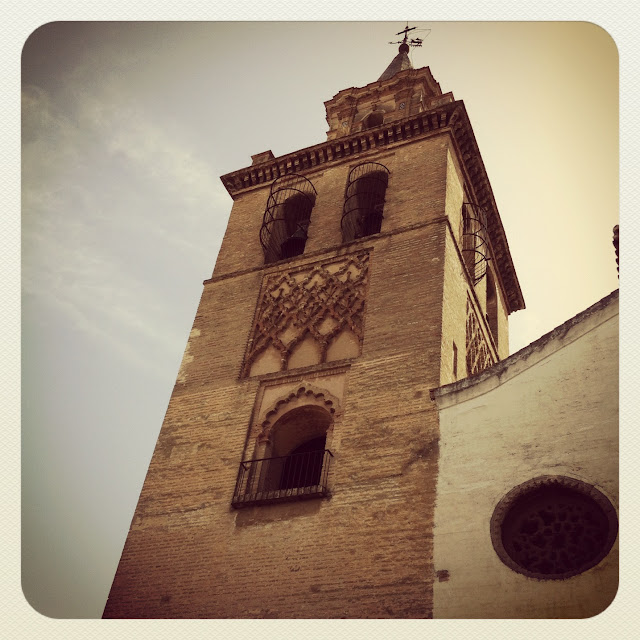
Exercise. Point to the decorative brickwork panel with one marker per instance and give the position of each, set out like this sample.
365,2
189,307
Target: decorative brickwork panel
478,354
308,313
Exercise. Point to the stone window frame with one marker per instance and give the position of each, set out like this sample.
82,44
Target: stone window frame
259,446
573,484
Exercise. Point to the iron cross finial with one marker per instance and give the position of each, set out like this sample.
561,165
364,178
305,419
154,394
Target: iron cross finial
414,42
405,31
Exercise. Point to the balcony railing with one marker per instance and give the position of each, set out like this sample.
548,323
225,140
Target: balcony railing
293,477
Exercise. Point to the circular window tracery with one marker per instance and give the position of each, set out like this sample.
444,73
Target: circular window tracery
553,527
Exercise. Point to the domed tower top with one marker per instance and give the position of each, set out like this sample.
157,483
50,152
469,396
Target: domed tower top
401,61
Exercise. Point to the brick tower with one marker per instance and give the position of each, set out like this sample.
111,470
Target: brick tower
295,472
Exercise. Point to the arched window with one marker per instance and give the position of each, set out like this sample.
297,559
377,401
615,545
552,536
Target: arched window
283,234
293,463
364,201
374,119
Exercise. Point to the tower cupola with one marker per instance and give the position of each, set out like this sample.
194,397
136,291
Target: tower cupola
401,91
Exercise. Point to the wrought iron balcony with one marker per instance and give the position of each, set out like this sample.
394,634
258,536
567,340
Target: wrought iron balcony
294,477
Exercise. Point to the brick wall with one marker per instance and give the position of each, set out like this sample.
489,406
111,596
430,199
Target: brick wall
366,551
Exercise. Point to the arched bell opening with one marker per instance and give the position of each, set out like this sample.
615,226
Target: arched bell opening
283,234
374,119
364,201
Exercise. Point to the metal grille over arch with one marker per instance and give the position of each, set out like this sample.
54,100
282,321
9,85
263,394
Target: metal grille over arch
286,219
364,200
474,240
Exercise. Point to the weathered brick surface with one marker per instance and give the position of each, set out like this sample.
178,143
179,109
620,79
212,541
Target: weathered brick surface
366,551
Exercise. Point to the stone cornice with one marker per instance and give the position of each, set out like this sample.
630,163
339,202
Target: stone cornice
325,153
450,117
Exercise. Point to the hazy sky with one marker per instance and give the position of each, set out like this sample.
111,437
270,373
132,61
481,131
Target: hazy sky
126,130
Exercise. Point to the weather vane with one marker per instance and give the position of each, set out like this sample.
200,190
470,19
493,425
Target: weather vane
413,42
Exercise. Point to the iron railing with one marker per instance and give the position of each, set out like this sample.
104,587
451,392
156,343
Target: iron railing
474,240
293,477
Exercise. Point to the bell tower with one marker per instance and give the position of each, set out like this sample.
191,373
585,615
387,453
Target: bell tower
295,472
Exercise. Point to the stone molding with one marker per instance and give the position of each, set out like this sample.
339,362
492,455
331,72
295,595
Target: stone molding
305,395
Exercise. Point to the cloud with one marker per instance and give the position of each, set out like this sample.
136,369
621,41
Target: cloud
160,158
114,213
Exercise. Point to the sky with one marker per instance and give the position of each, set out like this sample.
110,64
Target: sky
126,129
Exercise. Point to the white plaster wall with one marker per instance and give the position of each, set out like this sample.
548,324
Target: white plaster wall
553,410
